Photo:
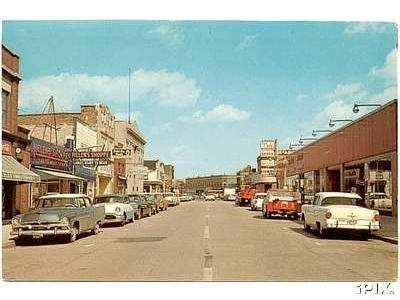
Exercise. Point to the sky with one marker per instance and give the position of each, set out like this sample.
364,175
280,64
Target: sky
205,93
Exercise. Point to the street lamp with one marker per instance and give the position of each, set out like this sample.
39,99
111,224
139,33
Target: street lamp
301,140
314,132
356,106
295,145
333,121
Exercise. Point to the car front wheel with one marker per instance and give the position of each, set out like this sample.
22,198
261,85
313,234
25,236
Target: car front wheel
73,234
96,229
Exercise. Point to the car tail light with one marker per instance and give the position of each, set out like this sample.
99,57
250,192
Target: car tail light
377,217
328,215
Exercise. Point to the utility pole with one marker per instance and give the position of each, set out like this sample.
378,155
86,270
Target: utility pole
129,97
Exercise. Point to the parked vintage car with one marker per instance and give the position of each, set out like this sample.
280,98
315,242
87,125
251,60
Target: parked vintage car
332,211
171,199
117,208
209,198
161,202
153,202
143,208
282,202
65,215
379,201
256,202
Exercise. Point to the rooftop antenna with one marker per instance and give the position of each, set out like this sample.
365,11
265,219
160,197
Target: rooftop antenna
49,106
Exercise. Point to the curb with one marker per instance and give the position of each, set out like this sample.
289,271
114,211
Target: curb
385,239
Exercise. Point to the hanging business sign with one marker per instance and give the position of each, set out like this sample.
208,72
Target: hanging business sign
119,152
47,155
138,170
352,173
88,154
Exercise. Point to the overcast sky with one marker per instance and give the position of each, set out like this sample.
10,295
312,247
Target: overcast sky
205,93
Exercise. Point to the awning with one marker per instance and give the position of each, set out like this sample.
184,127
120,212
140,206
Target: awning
51,175
12,170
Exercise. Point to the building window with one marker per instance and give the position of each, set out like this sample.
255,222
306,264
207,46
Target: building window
4,98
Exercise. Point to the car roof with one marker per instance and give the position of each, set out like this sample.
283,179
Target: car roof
338,194
112,195
55,196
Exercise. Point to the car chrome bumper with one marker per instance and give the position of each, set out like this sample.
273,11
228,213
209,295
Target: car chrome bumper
351,227
39,233
113,218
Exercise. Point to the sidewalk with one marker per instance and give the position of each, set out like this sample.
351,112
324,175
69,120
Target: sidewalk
6,242
388,231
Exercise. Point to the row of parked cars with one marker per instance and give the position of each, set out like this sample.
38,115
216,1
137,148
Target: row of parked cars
328,211
68,215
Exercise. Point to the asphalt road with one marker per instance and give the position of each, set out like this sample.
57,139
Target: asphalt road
205,241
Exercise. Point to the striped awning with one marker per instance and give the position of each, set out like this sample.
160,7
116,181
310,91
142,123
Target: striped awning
12,170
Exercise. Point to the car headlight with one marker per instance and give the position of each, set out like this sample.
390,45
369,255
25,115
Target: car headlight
117,209
15,222
65,221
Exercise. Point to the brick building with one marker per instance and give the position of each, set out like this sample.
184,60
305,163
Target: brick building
98,117
215,183
360,157
16,176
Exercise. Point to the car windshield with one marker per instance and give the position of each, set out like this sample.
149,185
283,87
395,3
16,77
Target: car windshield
135,199
341,201
58,202
260,196
169,195
110,199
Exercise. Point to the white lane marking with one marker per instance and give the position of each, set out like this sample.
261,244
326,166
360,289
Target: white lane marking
88,245
207,274
319,244
206,232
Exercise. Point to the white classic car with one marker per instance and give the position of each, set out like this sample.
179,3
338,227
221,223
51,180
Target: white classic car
339,211
256,202
117,208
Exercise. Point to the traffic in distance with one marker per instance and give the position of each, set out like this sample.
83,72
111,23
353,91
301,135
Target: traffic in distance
66,216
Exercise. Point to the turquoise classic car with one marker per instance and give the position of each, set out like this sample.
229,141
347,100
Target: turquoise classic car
65,215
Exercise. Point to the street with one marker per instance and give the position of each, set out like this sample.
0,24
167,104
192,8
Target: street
198,241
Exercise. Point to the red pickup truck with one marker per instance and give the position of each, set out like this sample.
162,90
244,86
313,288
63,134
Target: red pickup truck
282,202
245,196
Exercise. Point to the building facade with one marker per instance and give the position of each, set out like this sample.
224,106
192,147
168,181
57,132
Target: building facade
281,167
96,119
266,166
169,176
212,183
128,136
360,157
244,177
154,179
16,176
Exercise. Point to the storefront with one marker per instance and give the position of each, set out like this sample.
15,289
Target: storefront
53,164
360,157
14,176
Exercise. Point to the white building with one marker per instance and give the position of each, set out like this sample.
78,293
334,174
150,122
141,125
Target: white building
128,136
153,181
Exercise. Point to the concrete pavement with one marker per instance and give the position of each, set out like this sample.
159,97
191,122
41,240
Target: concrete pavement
198,241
